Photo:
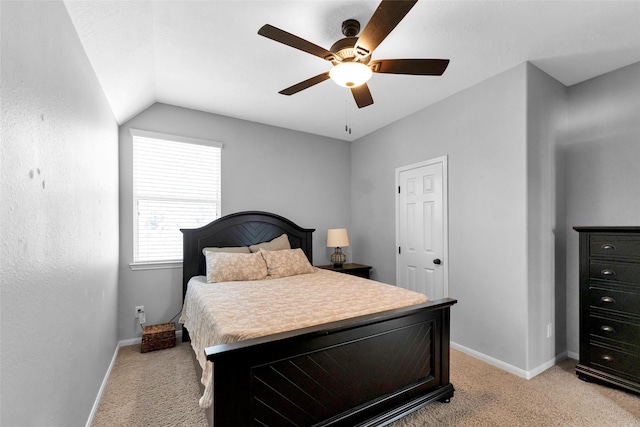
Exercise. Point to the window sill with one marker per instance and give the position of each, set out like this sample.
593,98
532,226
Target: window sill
155,265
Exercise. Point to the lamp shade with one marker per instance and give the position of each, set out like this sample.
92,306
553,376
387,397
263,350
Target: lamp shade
337,238
350,74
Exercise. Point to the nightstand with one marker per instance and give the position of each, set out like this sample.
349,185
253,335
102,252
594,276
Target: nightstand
359,270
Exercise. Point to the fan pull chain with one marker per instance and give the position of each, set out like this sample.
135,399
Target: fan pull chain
347,117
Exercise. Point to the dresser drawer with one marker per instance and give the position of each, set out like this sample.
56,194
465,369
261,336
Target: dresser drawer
624,332
614,245
615,271
617,300
618,362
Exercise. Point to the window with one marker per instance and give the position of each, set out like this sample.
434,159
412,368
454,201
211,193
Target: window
176,184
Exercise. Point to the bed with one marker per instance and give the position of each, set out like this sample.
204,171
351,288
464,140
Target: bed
366,370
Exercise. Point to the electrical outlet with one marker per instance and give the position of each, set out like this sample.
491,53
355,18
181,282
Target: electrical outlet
549,330
139,310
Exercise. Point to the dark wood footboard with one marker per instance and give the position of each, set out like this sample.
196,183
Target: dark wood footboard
369,371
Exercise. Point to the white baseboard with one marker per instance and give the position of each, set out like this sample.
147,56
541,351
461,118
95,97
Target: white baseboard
507,367
94,409
540,369
122,343
573,355
132,341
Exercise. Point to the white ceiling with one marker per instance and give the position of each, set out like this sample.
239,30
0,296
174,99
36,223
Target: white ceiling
207,55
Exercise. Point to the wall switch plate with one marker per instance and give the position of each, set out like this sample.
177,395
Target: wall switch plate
139,309
549,330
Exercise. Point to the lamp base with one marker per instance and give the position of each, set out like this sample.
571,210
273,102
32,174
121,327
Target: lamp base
338,258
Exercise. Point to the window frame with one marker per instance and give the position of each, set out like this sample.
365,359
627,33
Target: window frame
163,264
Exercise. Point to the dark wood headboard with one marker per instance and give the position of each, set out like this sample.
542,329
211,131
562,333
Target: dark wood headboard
238,229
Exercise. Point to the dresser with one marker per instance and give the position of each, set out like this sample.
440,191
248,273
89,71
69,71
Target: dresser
610,306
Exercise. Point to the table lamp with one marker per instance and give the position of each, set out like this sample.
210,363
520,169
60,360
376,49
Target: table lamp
337,238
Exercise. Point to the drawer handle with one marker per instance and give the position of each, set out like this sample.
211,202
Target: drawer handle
607,358
608,247
607,299
608,272
607,328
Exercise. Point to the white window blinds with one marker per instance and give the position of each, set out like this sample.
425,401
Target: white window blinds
176,184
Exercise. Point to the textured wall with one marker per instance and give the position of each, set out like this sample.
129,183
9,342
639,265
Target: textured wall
59,232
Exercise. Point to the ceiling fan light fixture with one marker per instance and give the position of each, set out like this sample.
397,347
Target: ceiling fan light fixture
350,74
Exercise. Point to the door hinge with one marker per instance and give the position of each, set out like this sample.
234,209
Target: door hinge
398,189
399,250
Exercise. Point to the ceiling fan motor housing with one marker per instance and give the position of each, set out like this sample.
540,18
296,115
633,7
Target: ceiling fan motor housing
350,28
343,48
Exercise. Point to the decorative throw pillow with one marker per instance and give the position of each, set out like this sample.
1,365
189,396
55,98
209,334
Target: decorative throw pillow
231,267
230,249
277,244
286,262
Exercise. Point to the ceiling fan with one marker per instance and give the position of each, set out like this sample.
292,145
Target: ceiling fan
351,56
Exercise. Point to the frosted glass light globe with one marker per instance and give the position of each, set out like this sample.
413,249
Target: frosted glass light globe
350,74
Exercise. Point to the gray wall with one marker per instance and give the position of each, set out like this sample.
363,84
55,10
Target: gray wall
59,231
300,176
546,127
528,160
600,166
60,197
482,131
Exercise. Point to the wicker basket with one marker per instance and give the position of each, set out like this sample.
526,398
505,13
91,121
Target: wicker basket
157,337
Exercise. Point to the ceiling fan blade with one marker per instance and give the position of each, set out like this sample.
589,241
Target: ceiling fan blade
419,67
362,95
388,14
305,84
273,33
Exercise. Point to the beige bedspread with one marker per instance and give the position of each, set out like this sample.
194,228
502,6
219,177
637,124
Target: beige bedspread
218,313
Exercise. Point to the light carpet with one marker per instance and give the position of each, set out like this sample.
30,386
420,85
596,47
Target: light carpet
160,388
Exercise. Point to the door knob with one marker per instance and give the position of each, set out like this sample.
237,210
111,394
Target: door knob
437,261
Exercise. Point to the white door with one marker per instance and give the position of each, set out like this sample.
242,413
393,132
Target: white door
421,228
